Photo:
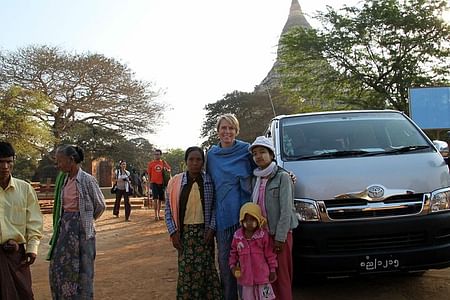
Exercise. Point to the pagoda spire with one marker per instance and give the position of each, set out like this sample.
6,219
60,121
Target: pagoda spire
295,19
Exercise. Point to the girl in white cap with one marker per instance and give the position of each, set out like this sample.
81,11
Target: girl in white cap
273,191
252,260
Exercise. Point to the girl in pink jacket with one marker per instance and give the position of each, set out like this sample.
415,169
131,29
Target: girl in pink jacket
252,260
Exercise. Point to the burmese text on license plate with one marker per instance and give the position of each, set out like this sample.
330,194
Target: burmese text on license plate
379,264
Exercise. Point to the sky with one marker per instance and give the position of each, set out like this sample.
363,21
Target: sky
194,51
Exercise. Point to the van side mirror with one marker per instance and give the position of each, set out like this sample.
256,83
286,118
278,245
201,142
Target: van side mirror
442,147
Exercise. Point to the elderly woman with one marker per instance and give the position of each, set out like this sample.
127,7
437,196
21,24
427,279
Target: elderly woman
190,220
78,202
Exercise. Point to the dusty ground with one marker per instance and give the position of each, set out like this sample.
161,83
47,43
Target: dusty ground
135,260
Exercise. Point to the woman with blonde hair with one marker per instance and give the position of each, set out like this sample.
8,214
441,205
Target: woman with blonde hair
230,166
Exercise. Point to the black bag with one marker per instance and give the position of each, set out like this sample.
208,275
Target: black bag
166,175
114,188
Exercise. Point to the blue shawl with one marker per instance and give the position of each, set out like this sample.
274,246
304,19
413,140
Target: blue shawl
231,170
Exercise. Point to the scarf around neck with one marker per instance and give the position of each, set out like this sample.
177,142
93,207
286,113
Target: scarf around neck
260,173
231,170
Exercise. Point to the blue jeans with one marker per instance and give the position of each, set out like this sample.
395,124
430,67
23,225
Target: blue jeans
229,284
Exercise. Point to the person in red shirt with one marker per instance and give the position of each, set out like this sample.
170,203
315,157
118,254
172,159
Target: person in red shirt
155,177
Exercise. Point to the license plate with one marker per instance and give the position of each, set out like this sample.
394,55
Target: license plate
378,263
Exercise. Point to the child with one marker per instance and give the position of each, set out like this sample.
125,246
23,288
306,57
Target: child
273,192
252,260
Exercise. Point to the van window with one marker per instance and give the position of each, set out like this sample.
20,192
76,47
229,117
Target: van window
348,134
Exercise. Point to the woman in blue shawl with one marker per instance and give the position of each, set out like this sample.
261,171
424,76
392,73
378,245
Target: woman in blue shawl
231,167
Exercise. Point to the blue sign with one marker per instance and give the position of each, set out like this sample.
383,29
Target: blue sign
429,107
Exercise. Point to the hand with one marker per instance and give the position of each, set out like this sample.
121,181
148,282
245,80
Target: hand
30,258
11,246
272,277
176,241
209,237
278,246
236,272
293,177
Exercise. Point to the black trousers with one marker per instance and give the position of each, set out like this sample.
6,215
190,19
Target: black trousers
126,199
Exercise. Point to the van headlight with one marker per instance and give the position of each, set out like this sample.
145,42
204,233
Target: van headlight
306,210
440,200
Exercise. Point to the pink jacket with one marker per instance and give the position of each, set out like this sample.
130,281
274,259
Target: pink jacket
255,256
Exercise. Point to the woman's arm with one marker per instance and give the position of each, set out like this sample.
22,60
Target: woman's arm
286,207
168,217
97,198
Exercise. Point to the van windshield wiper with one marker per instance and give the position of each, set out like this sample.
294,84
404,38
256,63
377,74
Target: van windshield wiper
330,154
348,153
410,148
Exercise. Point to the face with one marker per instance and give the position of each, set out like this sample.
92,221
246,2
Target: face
262,156
194,162
250,223
157,155
123,165
227,133
63,162
6,167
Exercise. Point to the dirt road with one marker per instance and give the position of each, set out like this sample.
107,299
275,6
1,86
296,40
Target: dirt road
135,260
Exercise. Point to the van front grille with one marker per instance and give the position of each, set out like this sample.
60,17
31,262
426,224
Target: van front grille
394,206
380,242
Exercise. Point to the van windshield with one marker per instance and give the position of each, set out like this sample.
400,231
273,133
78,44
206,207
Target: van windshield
349,134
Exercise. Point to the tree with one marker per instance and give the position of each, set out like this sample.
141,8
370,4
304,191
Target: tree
175,158
370,56
103,142
253,110
310,81
19,123
82,88
20,126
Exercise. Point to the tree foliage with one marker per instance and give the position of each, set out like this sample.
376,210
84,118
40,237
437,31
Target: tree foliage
253,110
103,142
369,56
81,89
20,126
175,158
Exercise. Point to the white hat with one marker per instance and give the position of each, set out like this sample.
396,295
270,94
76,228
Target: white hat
264,142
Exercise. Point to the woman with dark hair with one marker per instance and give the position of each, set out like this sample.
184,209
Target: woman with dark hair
273,191
191,222
123,182
78,202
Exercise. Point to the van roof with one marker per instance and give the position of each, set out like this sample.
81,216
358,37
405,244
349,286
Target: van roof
338,112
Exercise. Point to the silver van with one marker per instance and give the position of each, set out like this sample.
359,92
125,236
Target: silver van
372,192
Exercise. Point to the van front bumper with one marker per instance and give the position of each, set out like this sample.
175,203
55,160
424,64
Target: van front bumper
372,246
